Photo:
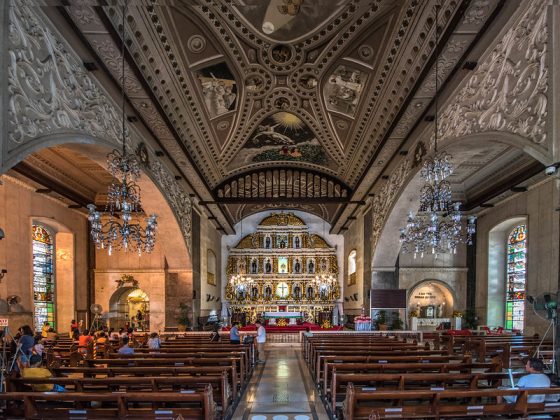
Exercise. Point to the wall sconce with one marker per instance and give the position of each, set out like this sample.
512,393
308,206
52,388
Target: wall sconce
3,272
2,234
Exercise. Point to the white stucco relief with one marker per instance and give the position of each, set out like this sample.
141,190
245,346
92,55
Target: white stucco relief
50,93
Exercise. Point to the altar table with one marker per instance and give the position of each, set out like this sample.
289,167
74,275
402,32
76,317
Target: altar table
291,316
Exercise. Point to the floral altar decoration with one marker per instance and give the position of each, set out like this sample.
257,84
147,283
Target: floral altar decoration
326,325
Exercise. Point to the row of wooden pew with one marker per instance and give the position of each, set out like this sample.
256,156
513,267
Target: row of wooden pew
367,376
189,377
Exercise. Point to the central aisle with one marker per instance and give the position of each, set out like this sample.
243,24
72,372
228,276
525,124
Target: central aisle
281,389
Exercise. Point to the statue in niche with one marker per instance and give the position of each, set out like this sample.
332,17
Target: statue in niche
267,243
297,267
254,266
268,292
254,293
323,294
268,267
309,292
296,242
323,267
282,243
297,293
311,267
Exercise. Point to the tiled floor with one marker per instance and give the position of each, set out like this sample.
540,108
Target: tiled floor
281,389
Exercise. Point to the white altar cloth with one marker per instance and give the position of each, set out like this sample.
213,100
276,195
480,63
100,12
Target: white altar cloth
282,314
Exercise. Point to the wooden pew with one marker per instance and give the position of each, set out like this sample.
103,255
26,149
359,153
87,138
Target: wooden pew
41,405
412,381
92,372
133,384
361,367
360,404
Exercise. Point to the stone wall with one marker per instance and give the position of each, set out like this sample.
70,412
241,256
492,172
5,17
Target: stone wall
20,207
538,206
353,295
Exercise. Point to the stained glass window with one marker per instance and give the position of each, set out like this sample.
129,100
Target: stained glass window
516,277
43,278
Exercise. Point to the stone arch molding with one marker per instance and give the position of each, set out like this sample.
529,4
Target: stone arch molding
504,100
53,100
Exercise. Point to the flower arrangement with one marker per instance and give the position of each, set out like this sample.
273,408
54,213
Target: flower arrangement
413,314
326,325
282,322
457,314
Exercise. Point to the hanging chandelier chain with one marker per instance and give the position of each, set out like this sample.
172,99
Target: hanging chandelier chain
123,195
123,90
437,227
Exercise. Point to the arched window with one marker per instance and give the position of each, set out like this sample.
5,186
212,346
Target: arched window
516,277
43,278
211,268
352,268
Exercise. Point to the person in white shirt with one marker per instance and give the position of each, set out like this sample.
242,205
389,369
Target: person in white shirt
261,340
154,343
535,379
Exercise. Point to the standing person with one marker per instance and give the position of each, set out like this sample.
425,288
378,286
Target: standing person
234,337
26,343
261,340
73,327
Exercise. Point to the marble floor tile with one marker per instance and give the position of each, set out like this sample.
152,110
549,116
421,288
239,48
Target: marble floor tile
281,389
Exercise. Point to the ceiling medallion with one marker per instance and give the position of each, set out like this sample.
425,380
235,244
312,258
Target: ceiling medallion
365,52
196,44
437,228
281,54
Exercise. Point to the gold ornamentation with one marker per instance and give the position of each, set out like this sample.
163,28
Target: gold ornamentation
282,219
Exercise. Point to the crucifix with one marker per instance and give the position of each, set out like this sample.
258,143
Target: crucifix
283,290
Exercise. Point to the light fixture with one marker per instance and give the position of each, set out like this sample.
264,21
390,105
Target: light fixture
324,282
125,234
437,227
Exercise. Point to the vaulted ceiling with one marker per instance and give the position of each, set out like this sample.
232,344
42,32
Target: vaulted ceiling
286,103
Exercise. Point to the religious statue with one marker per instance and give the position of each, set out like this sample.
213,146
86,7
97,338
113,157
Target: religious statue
297,293
254,293
282,244
311,267
296,242
323,265
268,267
254,266
267,243
297,266
309,292
268,292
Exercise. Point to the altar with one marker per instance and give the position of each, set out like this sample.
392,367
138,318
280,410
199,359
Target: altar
292,317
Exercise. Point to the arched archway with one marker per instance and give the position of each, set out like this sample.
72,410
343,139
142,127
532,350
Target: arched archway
431,298
129,307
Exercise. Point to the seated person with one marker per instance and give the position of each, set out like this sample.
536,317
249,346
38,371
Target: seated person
101,339
154,343
308,332
535,379
234,337
126,349
36,370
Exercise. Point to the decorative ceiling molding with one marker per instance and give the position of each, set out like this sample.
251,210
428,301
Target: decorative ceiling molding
50,93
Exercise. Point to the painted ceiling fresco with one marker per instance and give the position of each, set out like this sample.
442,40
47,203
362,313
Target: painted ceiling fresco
282,136
334,86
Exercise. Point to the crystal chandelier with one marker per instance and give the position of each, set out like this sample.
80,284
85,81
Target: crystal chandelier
123,198
241,283
437,228
324,281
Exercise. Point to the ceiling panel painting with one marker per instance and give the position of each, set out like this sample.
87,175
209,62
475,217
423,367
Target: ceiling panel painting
288,20
218,89
282,137
344,89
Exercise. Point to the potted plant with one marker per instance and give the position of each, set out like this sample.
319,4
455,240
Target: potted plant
183,317
381,321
